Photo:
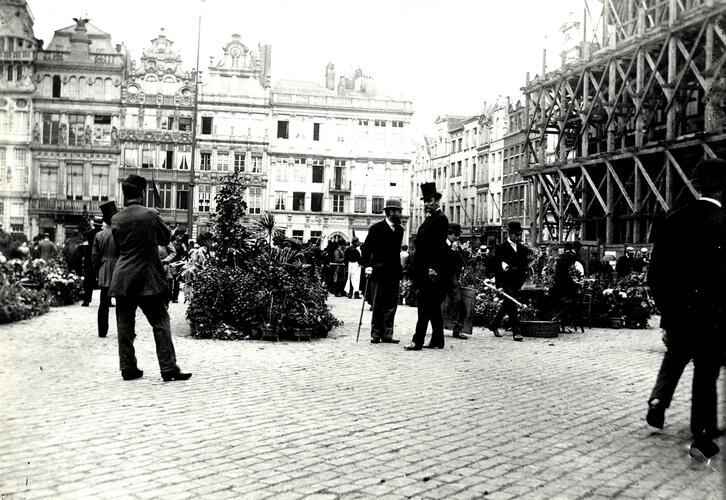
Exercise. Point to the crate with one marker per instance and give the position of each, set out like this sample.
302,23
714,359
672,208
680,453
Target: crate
539,329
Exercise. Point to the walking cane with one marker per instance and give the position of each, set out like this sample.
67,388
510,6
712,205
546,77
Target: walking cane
365,293
500,292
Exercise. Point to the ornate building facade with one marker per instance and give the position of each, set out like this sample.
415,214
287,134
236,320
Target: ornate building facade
18,46
75,140
337,153
157,107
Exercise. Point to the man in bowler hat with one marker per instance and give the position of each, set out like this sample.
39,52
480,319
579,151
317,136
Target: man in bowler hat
510,273
104,261
429,270
139,281
690,294
382,263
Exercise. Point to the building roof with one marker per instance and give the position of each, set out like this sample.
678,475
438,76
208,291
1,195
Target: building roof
93,31
306,87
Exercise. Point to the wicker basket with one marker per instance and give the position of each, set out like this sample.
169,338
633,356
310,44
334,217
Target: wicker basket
539,329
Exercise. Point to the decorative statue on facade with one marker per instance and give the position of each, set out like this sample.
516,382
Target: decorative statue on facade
88,135
63,135
114,136
36,134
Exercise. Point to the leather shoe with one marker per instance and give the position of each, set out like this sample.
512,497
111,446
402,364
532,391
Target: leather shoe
375,341
433,346
495,331
390,341
175,375
412,347
459,335
703,449
517,337
131,374
85,304
655,416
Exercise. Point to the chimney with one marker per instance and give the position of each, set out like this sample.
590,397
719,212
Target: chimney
330,76
80,44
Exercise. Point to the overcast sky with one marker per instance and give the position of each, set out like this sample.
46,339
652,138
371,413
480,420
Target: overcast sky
445,56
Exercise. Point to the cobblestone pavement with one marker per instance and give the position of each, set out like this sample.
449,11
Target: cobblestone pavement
332,418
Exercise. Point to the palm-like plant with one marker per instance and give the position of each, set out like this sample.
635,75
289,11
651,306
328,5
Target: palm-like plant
266,227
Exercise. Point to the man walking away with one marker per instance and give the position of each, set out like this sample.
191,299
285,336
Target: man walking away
690,294
428,272
138,281
510,273
456,259
353,258
104,261
383,267
47,249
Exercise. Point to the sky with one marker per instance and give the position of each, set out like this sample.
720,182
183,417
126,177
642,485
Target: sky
447,57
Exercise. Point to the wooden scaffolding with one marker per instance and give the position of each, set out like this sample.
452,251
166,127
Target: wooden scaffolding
612,138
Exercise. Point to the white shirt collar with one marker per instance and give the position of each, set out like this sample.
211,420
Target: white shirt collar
711,200
390,224
514,245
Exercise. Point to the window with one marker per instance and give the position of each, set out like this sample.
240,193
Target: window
298,234
149,119
316,131
363,122
397,124
379,123
280,169
254,203
205,197
168,161
169,125
256,164
359,204
283,129
74,181
185,156
164,189
205,162
185,124
76,124
473,172
338,203
301,173
239,162
206,125
280,200
377,205
51,126
458,168
316,202
182,196
223,161
460,141
318,167
102,130
298,201
56,86
148,152
316,235
48,181
131,156
99,182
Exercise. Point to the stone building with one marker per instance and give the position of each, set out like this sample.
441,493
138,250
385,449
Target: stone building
233,127
18,46
498,129
157,106
76,120
460,185
515,190
337,153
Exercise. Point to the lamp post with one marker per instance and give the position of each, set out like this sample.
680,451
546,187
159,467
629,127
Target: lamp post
190,201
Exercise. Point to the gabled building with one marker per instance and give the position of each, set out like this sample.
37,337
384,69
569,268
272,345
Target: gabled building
76,120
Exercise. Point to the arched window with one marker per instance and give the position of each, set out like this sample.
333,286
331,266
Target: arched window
56,86
73,87
98,89
108,90
82,88
47,88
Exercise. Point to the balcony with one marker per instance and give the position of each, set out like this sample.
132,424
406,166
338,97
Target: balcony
339,186
16,55
97,59
55,206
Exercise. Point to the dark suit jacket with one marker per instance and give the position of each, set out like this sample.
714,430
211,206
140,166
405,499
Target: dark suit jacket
431,248
516,274
138,231
352,254
104,257
381,250
687,269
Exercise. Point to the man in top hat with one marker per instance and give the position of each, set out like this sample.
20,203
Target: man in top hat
428,270
510,272
139,281
383,267
456,259
104,259
692,300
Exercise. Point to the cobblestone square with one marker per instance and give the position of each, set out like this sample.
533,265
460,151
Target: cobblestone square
332,418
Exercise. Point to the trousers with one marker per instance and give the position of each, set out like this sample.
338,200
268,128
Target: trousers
385,303
353,281
507,308
105,302
706,367
154,308
431,295
456,310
